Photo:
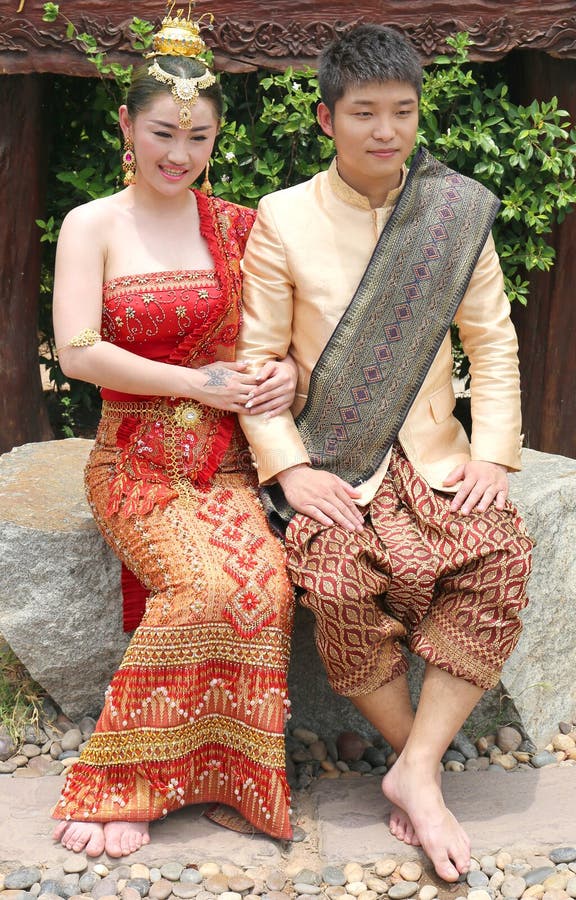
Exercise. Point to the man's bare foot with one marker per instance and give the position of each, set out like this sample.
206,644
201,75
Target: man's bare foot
402,828
441,837
78,836
123,838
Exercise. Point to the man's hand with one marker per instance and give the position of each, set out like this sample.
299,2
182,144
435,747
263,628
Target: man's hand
483,483
275,387
321,496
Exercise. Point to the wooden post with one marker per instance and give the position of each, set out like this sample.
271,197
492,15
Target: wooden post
23,415
547,325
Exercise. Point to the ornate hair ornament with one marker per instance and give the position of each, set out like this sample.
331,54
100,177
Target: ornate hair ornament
179,36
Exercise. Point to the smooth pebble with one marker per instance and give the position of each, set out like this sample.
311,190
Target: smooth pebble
503,859
477,879
385,867
75,864
307,876
373,883
512,887
333,875
402,890
129,893
209,868
335,891
353,872
428,892
563,855
240,884
410,871
216,884
479,894
161,889
356,888
141,885
557,881
22,879
190,876
184,890
275,881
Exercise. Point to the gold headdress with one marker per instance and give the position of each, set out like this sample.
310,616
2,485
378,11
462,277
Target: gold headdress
179,36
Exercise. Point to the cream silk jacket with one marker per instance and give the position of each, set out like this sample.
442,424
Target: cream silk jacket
306,254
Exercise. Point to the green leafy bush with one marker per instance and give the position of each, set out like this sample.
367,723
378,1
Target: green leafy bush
269,140
525,154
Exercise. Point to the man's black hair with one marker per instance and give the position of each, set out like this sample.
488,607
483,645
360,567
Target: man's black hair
367,53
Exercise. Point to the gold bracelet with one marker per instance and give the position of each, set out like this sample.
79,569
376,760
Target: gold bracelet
86,338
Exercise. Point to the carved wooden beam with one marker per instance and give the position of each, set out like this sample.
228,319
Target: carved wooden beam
249,33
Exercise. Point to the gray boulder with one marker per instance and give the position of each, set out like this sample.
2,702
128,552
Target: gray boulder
540,676
60,604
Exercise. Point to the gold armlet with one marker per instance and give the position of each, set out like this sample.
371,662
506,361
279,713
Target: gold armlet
86,338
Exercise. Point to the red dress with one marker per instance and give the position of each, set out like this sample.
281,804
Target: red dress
196,711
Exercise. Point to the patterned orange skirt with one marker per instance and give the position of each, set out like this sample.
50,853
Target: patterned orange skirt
196,711
447,586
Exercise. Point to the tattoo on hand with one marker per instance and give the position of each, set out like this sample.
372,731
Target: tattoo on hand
218,377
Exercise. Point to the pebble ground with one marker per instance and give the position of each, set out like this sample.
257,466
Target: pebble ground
550,877
48,749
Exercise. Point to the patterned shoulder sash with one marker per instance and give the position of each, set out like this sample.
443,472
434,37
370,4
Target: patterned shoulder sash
369,373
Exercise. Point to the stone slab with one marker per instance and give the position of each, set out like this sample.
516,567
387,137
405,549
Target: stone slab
524,811
26,829
521,811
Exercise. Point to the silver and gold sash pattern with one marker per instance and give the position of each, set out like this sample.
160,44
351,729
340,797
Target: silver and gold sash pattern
369,373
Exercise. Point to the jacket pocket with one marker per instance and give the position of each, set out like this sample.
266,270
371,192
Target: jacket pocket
442,403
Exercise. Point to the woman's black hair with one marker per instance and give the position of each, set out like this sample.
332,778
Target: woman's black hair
144,88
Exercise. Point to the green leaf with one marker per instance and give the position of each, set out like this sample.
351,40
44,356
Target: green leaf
51,12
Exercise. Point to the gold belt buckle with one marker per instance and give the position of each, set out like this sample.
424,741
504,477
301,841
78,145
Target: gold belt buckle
188,415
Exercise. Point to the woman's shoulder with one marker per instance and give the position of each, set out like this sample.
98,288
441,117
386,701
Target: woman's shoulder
94,214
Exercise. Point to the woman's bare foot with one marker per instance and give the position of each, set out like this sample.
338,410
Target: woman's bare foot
123,838
78,836
441,837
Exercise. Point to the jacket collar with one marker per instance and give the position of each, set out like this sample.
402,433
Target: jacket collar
349,195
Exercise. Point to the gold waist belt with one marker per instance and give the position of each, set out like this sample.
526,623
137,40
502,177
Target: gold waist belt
185,413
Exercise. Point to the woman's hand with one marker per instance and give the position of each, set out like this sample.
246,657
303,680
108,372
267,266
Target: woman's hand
224,385
276,385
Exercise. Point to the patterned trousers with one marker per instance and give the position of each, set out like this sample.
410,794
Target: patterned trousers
447,586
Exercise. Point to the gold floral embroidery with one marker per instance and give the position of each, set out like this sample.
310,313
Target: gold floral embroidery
130,746
180,302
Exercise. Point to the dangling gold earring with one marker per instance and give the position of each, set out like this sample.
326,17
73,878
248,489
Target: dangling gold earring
206,187
129,163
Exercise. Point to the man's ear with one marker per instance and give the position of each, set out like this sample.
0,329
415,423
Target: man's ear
324,117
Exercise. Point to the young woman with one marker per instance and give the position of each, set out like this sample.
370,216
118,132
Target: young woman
147,305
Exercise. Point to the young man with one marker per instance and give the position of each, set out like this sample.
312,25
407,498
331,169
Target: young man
400,532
